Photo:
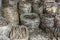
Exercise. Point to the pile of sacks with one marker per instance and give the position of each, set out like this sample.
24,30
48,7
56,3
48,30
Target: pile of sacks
30,20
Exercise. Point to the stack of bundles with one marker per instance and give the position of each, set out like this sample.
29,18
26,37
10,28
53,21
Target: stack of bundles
24,7
3,37
50,7
5,27
13,3
11,15
37,6
31,20
19,33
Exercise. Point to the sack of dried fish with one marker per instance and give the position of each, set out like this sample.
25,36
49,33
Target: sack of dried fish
3,37
5,3
13,3
5,30
38,35
50,8
19,33
38,8
24,7
5,27
11,14
31,20
47,22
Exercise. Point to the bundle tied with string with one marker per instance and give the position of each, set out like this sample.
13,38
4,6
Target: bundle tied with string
19,33
5,27
11,15
31,20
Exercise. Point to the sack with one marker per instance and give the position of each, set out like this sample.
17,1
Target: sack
38,8
24,7
47,21
11,15
19,33
31,20
38,35
50,8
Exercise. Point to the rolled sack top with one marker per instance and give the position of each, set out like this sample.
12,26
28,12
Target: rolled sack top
36,1
30,17
48,21
49,0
